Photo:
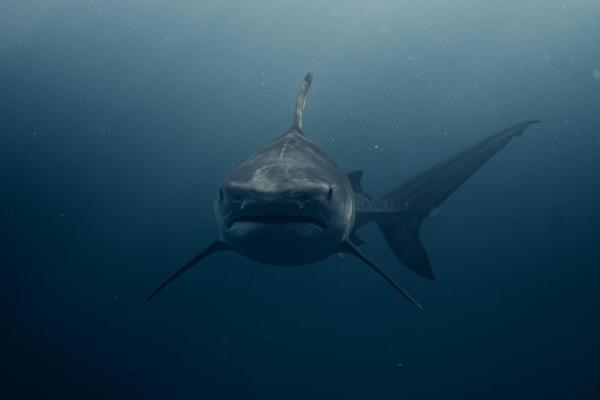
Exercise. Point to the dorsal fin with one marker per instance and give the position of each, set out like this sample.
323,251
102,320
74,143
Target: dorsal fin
301,102
354,177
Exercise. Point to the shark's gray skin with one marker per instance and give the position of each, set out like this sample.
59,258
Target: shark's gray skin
290,204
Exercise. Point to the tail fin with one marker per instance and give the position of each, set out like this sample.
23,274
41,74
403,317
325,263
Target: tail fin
301,102
403,237
416,198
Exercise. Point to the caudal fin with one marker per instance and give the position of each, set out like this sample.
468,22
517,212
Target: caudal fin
416,198
404,239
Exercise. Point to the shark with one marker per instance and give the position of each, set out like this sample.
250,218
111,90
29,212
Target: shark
290,204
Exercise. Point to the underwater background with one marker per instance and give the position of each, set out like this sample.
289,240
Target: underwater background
120,119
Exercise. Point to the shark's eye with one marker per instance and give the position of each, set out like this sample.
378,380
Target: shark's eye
330,194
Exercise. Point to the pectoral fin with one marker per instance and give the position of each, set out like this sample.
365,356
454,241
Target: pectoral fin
353,249
213,248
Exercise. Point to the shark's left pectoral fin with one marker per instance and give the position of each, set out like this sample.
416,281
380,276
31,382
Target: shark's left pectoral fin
351,248
355,240
213,248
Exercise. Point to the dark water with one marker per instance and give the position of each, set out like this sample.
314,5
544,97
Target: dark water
120,119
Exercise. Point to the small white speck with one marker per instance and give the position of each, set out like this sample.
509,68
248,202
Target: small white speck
376,147
399,365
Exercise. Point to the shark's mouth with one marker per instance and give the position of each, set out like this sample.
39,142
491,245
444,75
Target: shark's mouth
278,220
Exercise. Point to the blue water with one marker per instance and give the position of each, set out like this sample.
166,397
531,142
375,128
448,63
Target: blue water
119,120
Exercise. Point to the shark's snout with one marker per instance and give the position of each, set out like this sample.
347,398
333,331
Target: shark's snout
251,206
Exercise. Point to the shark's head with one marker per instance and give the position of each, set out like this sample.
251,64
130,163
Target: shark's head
289,204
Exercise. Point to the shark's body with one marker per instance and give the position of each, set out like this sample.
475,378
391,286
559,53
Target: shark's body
290,204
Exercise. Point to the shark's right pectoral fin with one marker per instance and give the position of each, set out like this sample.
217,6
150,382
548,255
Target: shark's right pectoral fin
213,248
